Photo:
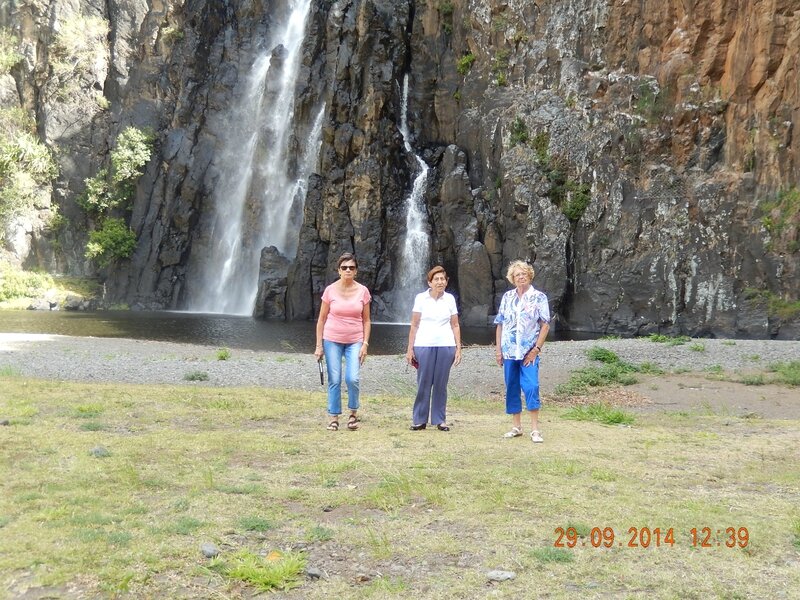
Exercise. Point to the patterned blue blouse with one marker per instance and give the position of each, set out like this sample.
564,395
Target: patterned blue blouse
520,320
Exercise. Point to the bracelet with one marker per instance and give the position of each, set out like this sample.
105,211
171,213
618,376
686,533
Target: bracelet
365,343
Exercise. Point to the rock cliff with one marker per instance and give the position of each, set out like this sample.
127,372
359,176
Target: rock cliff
640,154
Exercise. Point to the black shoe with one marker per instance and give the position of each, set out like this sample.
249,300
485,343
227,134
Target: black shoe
418,427
442,427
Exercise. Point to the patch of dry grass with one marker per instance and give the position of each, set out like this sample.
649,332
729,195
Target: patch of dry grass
403,513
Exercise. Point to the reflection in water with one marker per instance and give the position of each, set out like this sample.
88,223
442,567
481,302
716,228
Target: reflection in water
207,329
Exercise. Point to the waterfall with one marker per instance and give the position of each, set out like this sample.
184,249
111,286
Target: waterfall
414,260
258,197
307,164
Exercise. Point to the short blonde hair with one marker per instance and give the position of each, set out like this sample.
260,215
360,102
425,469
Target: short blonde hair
522,265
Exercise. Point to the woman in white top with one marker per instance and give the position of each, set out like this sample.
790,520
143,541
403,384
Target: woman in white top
434,344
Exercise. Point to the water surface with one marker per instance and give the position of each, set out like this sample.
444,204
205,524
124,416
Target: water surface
208,329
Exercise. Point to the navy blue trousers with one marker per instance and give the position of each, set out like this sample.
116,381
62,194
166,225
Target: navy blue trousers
432,376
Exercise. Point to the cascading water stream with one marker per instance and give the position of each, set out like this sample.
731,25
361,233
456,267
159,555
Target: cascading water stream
261,187
414,260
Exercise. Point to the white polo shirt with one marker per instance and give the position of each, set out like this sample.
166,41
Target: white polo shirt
434,323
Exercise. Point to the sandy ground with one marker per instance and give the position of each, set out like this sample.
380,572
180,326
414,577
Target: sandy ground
697,389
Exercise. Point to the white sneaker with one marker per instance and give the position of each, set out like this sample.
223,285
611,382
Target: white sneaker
515,432
536,437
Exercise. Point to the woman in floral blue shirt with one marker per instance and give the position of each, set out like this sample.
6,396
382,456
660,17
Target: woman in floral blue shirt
523,321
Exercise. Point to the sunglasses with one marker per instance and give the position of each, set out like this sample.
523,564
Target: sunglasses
348,267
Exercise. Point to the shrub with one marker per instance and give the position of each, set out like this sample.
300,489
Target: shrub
600,413
106,191
171,35
649,368
774,304
22,284
569,195
606,375
196,376
9,55
27,168
602,354
276,571
464,63
660,338
96,198
519,132
757,379
788,373
77,44
26,153
19,196
133,150
541,144
651,101
103,192
114,240
446,9
576,198
223,353
781,219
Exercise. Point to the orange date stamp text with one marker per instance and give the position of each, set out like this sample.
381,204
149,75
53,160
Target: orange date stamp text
652,537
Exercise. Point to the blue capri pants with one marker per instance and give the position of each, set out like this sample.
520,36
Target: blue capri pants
521,379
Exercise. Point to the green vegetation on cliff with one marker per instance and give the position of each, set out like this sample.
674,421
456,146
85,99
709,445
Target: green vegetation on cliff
116,189
9,55
571,196
464,63
20,288
782,221
18,284
80,43
446,9
113,239
27,168
775,305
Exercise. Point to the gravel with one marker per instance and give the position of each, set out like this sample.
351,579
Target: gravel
90,359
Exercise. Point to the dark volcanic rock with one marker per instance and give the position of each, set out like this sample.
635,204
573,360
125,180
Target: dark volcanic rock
641,173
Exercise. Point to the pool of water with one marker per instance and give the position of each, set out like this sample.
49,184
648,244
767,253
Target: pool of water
216,330
208,329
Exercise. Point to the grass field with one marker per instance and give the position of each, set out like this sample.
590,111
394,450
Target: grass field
110,490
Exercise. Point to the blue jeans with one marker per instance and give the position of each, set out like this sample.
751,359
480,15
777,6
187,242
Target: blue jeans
525,379
334,352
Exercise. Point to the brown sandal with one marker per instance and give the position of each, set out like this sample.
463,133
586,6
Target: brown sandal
333,425
353,423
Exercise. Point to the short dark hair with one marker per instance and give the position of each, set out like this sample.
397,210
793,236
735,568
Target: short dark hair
435,270
345,257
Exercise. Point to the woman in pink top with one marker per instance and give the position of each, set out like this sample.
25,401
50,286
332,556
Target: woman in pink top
343,331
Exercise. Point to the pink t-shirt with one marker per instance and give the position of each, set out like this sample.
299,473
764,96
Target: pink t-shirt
344,323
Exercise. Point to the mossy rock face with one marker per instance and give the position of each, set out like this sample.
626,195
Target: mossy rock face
781,219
